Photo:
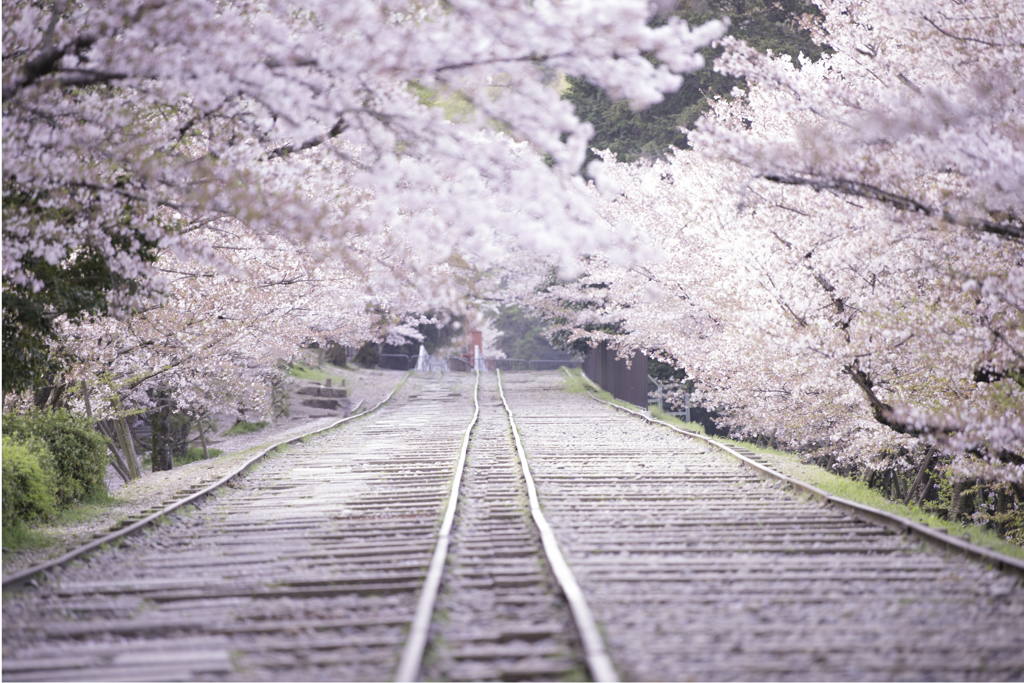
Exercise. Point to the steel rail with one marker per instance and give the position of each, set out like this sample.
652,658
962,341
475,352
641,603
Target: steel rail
881,517
26,575
412,655
595,652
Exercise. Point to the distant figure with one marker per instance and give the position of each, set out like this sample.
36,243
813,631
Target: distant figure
423,360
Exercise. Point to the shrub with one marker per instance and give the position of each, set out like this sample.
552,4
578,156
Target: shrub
28,481
79,452
368,355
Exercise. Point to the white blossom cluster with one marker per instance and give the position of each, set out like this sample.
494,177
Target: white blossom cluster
843,248
283,158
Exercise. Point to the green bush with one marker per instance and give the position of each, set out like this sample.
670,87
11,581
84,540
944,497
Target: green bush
28,481
79,452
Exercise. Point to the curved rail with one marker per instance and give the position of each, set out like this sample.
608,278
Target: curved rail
595,653
25,575
865,512
598,661
412,655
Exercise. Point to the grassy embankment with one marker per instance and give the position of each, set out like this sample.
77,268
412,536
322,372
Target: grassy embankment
854,490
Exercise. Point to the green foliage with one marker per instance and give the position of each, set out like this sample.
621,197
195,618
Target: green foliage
764,24
368,355
243,427
1011,525
457,107
79,283
22,537
944,494
195,453
28,482
523,337
79,452
303,370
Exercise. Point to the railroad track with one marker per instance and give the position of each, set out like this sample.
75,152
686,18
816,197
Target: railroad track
346,558
315,564
308,567
697,569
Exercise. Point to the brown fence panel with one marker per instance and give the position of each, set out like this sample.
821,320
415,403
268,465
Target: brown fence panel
626,381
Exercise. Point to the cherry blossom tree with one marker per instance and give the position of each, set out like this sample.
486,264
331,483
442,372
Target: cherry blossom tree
916,113
226,330
304,119
155,137
842,250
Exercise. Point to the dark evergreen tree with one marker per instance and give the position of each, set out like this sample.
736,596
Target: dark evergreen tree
78,281
764,24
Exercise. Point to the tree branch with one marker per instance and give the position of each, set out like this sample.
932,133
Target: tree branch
45,63
1012,228
883,412
960,38
285,150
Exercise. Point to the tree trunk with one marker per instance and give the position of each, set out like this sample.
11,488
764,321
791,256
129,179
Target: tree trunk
1018,491
128,447
956,507
868,476
924,489
120,459
85,397
179,426
897,491
921,471
163,459
202,437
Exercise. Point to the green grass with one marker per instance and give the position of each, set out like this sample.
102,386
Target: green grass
303,370
195,453
857,491
38,536
21,537
574,382
243,427
842,487
659,414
